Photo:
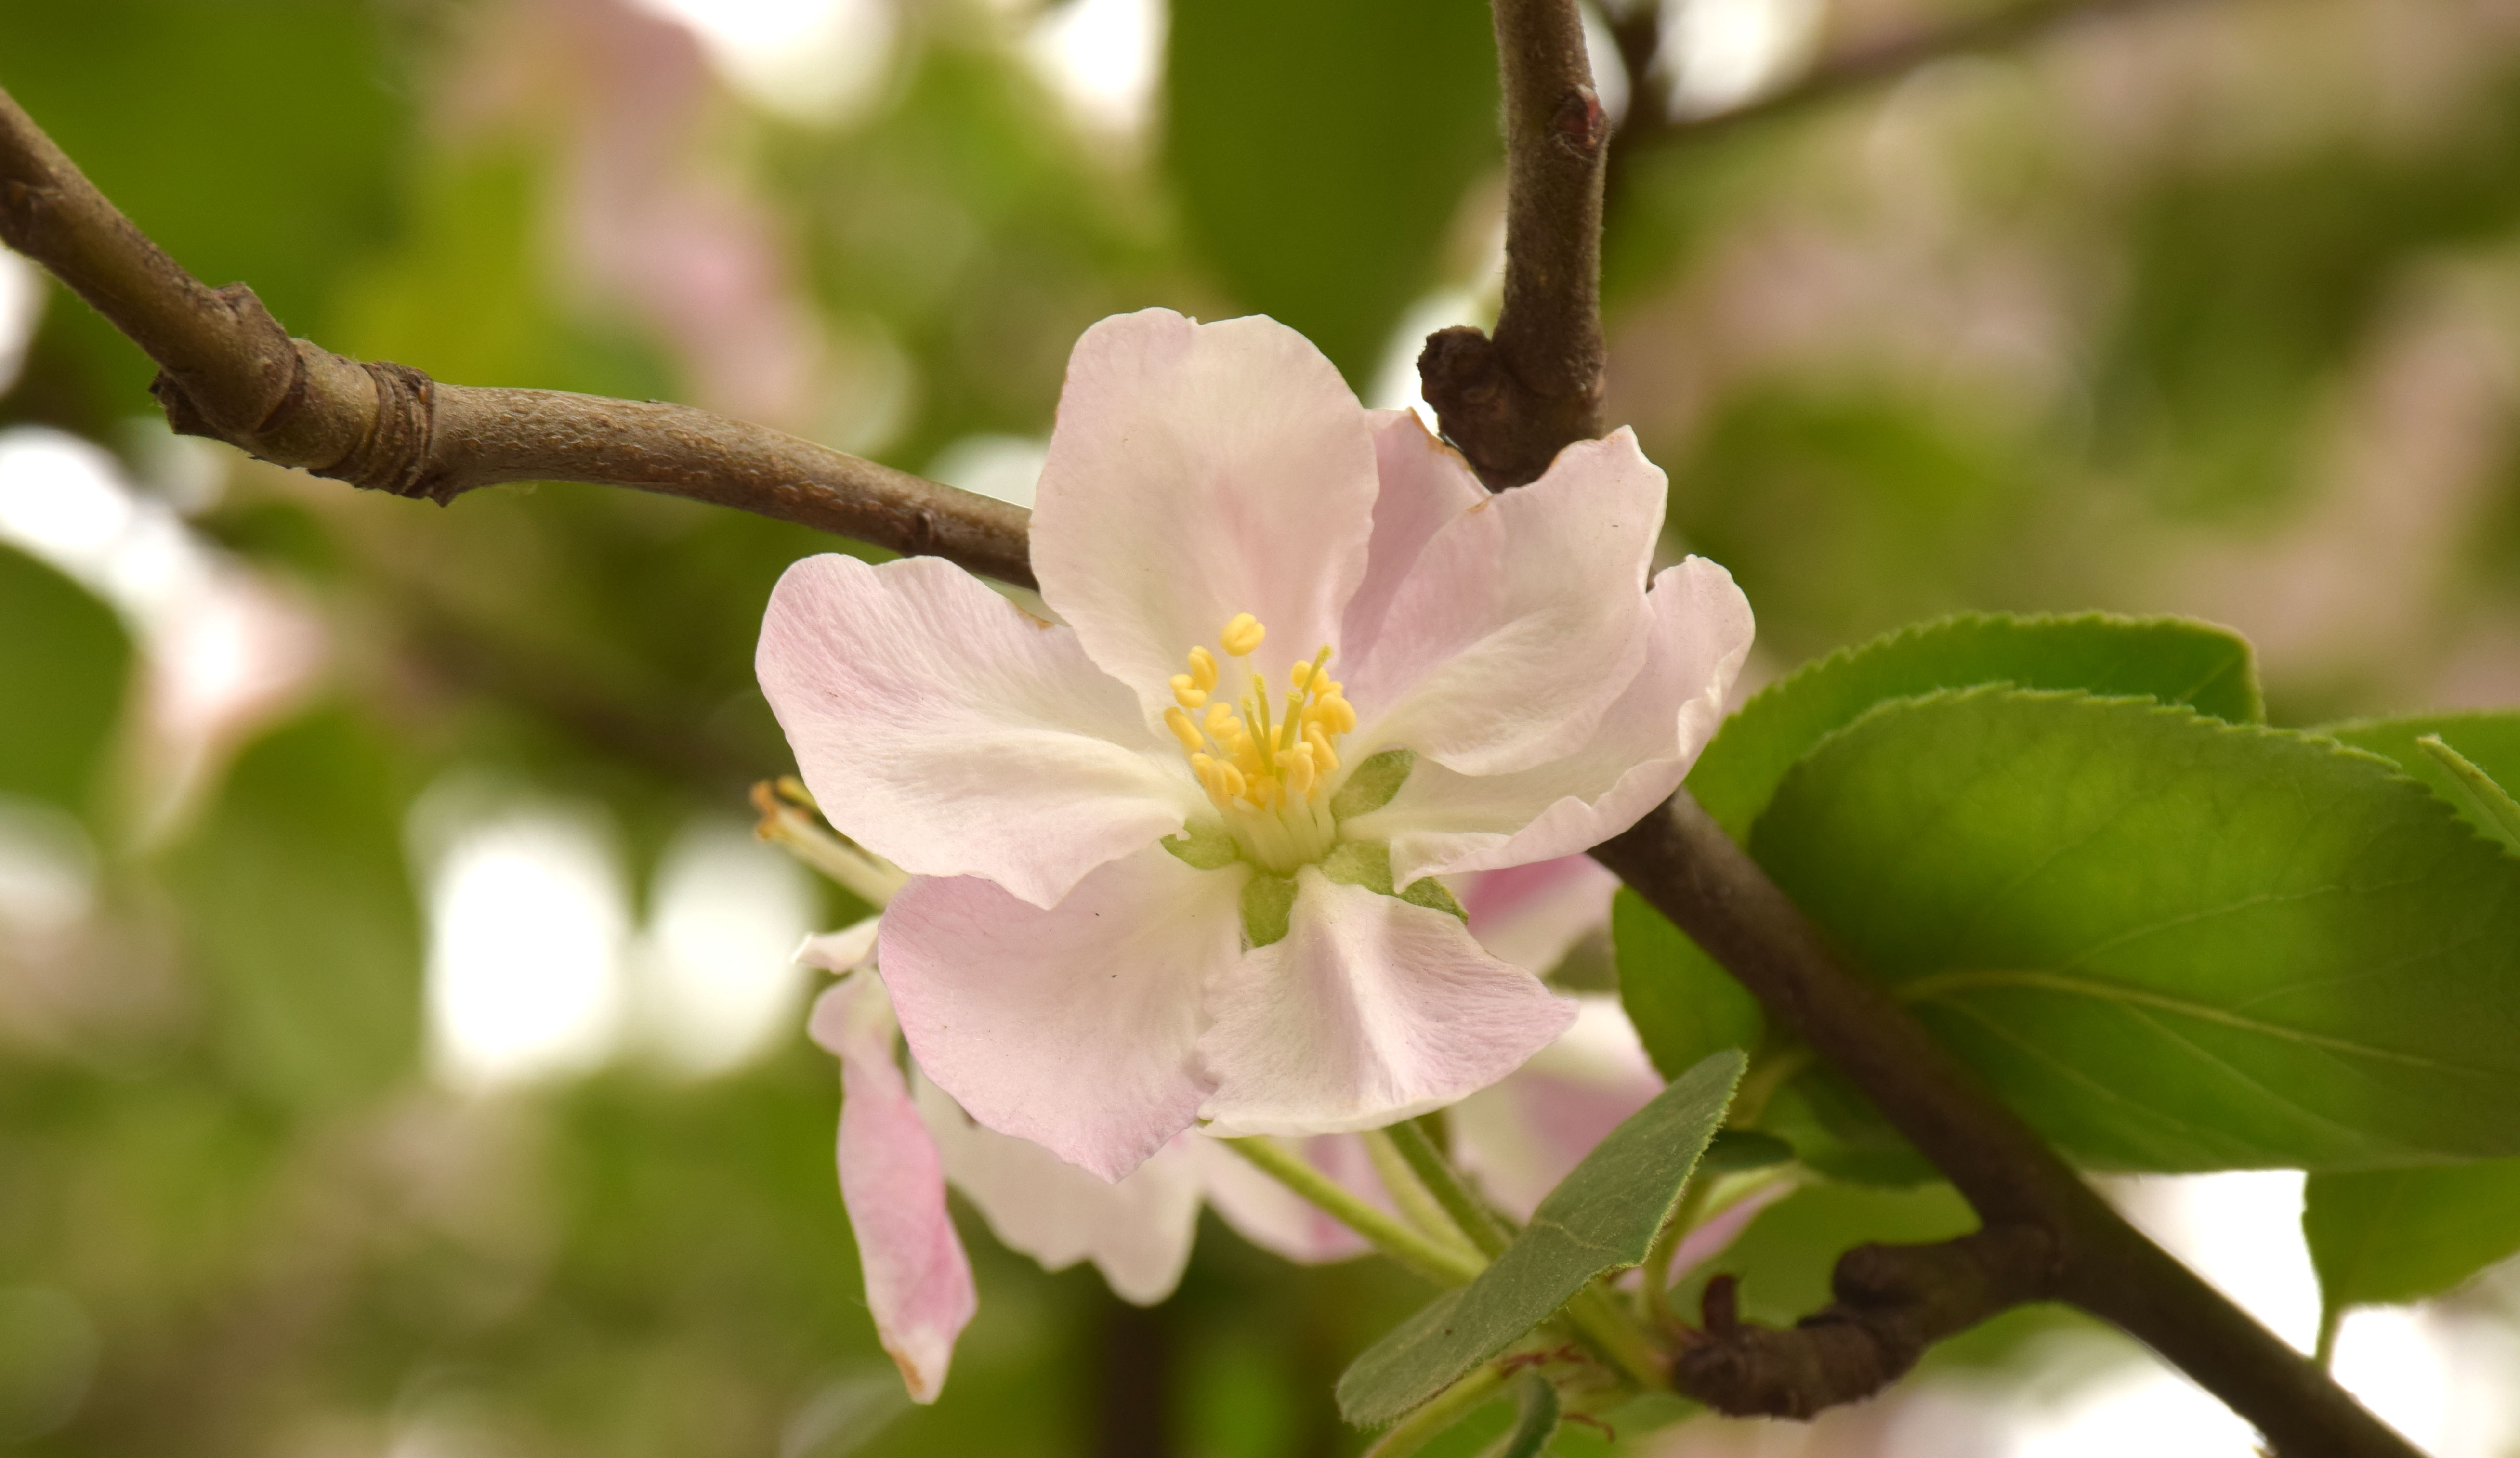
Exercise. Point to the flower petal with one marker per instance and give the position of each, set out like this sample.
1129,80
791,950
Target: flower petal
844,950
1197,471
1533,915
1275,1217
1369,1011
1074,1026
1442,821
1527,1134
1522,619
1138,1232
918,1280
941,728
1421,485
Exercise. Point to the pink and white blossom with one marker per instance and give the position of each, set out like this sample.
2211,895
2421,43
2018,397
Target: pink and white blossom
1157,886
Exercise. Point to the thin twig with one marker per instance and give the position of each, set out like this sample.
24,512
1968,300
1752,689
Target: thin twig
1441,1264
231,373
1513,401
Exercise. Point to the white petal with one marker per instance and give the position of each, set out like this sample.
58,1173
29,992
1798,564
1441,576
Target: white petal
1523,1135
1522,619
941,728
1443,821
918,1280
1422,484
1073,1027
1369,1011
844,950
1275,1217
1138,1232
1197,471
1533,915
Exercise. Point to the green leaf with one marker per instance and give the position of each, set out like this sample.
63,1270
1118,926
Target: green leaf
2176,660
1603,1217
1744,1149
1320,148
1535,1420
2171,942
63,662
2401,1235
1684,1007
2490,743
2475,795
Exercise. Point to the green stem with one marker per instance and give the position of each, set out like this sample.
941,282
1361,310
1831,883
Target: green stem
1441,1264
2331,1319
1608,1329
1446,1184
1409,1193
1655,1294
864,877
1441,1412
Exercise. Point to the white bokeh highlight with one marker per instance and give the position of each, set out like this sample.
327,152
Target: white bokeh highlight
813,61
22,308
1005,466
1104,58
1720,54
718,984
528,931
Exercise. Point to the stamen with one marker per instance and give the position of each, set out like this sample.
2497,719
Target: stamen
1241,635
1321,746
1183,729
1186,692
1221,723
1203,669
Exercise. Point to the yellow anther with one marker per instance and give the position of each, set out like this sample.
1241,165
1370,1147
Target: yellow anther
1221,723
1300,675
1323,755
1335,713
1183,729
1300,775
1229,780
1242,635
1186,692
1202,668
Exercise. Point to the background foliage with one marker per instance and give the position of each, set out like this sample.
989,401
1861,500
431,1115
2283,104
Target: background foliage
2210,309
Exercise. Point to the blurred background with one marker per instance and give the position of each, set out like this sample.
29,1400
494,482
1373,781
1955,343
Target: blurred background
399,1054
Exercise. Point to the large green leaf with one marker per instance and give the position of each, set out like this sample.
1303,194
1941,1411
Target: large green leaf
2176,660
63,661
2401,1235
1683,1004
1603,1217
2172,942
1319,150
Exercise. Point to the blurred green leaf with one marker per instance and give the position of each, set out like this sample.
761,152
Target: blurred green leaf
1319,150
1684,1007
1535,1419
2474,794
297,901
2171,942
2401,1235
1603,1217
64,661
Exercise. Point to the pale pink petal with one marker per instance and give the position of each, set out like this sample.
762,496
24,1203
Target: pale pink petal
1138,1232
1369,1011
918,1280
853,946
1443,821
1422,485
1197,471
1075,1027
1275,1217
1523,1135
941,728
1533,915
1521,620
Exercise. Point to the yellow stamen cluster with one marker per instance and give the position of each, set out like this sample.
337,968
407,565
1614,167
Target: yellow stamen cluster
1268,775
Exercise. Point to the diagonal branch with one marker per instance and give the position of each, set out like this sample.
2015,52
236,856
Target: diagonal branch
229,372
1509,402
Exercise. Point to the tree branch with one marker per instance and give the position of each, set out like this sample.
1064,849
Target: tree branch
1510,403
2083,1252
229,372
